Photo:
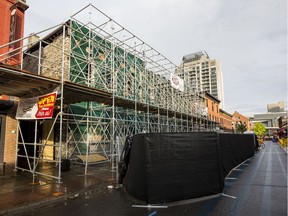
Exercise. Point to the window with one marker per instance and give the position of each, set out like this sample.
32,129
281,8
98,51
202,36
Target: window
16,28
212,106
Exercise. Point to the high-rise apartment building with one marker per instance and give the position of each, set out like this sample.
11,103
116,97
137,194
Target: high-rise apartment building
203,74
276,107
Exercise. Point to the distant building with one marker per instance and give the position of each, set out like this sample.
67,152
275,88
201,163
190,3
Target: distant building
239,118
276,107
203,74
273,118
212,104
270,120
226,121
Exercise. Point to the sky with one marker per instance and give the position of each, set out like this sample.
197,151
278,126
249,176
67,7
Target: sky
248,37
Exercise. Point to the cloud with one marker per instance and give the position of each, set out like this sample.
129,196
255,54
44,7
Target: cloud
248,37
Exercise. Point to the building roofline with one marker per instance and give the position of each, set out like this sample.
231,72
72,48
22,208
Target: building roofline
194,56
212,97
49,37
226,113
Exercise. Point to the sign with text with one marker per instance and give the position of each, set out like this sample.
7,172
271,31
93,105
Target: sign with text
41,107
177,82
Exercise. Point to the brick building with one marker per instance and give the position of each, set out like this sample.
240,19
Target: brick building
212,104
12,28
237,117
226,121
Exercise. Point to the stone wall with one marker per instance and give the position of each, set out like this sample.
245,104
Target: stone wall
31,61
52,58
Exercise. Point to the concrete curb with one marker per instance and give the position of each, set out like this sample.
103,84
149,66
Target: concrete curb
285,149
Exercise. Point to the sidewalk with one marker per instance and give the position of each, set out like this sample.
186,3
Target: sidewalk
18,193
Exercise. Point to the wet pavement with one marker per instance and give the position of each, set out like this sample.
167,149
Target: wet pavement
256,187
18,193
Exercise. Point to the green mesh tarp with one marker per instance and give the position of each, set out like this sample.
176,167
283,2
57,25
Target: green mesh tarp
94,60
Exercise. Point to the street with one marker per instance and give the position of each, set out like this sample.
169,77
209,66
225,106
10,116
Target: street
256,187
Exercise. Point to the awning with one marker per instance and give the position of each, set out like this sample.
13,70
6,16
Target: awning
20,83
15,82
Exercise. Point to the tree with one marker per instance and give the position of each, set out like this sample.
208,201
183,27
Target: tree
259,129
240,127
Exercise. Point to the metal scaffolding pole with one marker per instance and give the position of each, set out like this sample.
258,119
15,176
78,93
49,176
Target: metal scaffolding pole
61,105
103,56
35,149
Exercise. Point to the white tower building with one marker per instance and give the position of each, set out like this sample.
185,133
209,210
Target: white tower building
203,74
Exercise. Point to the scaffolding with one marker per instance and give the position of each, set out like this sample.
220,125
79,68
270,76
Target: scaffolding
96,53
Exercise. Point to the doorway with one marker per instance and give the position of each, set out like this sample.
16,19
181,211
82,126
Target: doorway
27,149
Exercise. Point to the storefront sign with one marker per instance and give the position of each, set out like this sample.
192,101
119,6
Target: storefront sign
41,107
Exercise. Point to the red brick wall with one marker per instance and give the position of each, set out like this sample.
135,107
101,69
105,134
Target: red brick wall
226,121
5,22
239,117
213,109
10,142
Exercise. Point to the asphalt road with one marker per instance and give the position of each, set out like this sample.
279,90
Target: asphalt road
257,187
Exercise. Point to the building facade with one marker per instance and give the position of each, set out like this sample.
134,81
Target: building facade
272,118
204,74
213,105
12,28
226,121
122,90
276,107
239,118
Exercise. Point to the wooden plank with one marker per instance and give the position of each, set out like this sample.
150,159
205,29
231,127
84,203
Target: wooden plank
92,158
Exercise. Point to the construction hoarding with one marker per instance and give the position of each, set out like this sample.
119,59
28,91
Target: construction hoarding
166,167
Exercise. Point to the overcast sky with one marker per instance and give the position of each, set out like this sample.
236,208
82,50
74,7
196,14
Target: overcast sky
248,37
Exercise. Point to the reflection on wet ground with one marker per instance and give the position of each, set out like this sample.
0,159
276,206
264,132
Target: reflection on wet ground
256,187
20,190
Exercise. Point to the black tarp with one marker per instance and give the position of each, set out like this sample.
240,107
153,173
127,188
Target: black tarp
166,167
235,148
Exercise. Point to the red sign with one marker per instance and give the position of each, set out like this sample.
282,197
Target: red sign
46,106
